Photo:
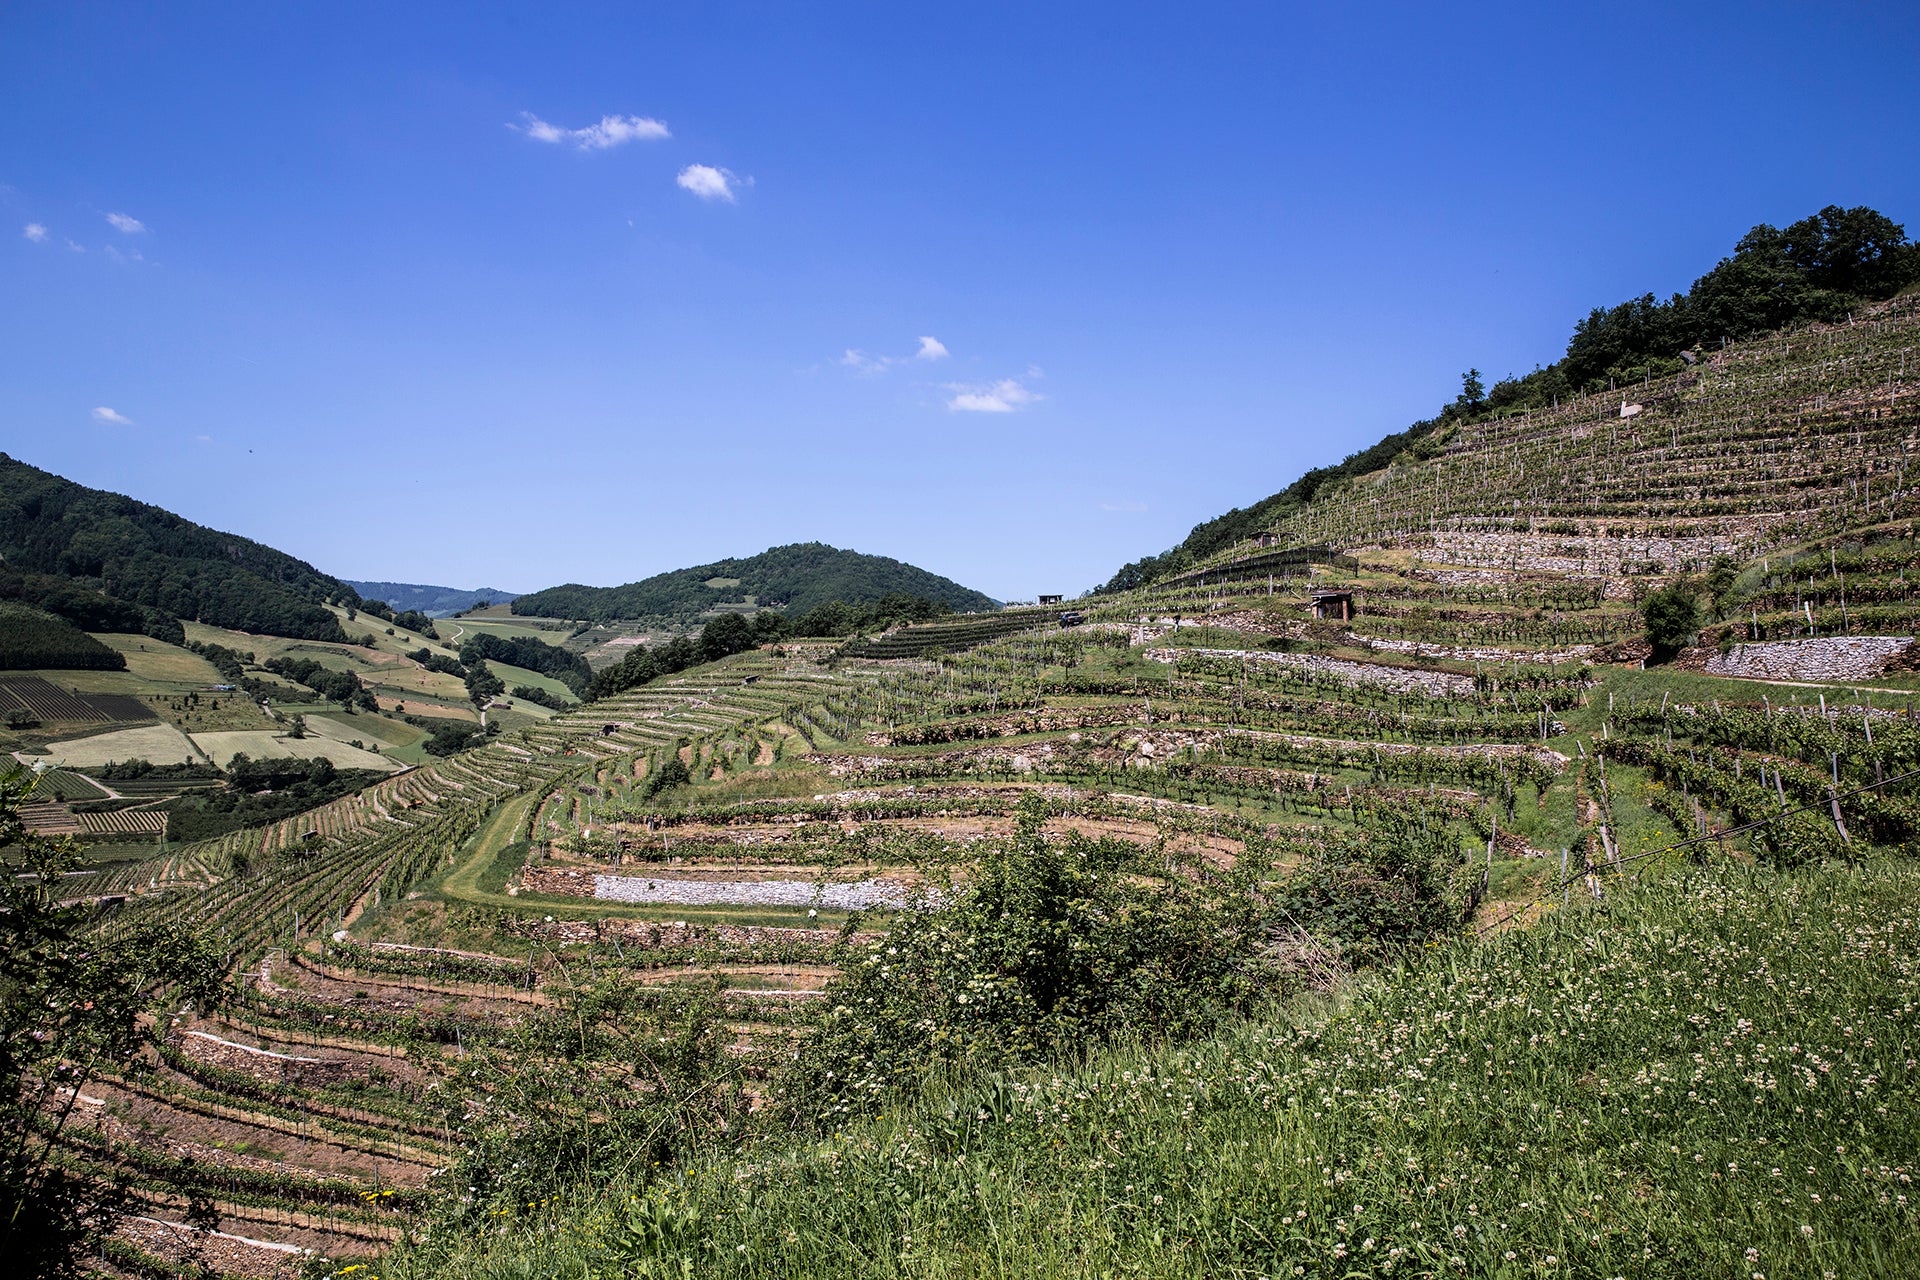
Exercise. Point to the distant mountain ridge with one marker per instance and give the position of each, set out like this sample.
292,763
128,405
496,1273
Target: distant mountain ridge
435,602
793,578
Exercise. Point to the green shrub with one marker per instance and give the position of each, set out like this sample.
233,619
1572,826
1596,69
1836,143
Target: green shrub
1672,615
1048,947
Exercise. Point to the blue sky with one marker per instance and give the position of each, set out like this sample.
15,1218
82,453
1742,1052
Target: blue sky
512,296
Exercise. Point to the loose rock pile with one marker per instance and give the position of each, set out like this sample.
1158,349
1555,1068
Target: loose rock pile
671,934
857,895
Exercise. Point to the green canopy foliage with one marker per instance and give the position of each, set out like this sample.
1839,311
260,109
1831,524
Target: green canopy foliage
31,639
1672,615
568,668
343,687
259,792
1050,945
793,578
143,556
75,1002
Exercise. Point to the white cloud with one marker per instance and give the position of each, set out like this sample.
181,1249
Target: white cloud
610,132
1123,506
710,183
127,223
860,362
76,246
110,418
34,232
203,439
1004,396
863,362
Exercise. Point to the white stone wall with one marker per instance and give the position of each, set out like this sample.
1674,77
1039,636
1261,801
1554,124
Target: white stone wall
1822,658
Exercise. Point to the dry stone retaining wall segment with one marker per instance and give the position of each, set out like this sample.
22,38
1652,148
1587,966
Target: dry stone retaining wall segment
1823,658
1469,653
1431,684
1581,553
265,1064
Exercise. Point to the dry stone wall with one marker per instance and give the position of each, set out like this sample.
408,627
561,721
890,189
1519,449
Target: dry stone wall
266,1064
1431,684
1821,658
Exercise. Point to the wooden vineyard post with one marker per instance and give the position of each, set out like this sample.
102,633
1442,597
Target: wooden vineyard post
1486,876
1833,799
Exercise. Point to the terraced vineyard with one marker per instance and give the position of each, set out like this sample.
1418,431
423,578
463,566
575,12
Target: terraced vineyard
729,832
1539,530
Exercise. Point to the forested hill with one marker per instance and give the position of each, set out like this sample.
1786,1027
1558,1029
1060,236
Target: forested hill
71,549
1817,269
435,602
795,578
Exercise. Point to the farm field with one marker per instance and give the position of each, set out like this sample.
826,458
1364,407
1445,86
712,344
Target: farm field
368,729
157,744
269,745
154,662
513,676
56,701
497,621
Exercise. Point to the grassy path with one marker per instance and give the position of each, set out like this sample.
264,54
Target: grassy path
499,831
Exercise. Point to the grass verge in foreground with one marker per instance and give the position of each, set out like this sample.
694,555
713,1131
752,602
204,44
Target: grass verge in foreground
1710,1074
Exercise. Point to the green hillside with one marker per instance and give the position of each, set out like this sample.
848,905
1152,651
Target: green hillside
1820,269
1504,868
795,579
142,556
1710,1075
30,638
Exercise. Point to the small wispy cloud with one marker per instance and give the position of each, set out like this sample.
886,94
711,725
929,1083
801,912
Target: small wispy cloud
76,246
611,131
126,222
860,362
1008,395
866,363
109,417
35,232
1123,506
119,255
710,183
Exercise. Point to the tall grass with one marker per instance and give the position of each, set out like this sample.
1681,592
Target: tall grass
1710,1074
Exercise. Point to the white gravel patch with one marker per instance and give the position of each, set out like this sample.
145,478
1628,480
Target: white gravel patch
855,895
